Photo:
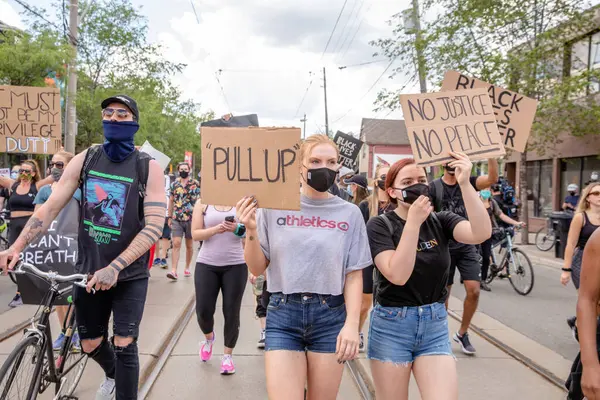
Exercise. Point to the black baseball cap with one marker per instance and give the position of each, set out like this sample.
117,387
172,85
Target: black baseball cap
126,101
357,180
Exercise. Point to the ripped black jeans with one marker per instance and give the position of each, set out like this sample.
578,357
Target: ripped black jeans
92,312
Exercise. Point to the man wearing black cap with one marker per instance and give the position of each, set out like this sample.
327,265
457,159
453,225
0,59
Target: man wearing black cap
122,216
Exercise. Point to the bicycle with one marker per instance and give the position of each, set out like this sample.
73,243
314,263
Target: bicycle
32,366
546,237
517,270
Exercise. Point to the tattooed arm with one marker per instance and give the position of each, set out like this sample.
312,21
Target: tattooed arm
43,216
154,216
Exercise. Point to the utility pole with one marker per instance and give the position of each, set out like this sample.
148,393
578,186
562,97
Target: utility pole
304,130
419,48
326,114
71,122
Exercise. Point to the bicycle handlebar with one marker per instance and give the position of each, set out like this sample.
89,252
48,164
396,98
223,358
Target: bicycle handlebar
77,279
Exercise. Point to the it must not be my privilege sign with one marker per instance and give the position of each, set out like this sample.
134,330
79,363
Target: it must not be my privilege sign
30,120
459,121
262,162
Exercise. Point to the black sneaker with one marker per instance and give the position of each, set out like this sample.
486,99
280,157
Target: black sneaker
361,344
465,343
484,286
261,342
572,322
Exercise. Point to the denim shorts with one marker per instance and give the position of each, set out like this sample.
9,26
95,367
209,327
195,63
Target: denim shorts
401,334
304,322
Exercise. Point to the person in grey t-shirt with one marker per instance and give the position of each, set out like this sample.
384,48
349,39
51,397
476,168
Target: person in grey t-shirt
314,260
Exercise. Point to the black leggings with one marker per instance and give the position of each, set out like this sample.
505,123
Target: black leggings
15,228
231,281
486,253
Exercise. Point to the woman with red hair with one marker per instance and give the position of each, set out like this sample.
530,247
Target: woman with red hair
409,323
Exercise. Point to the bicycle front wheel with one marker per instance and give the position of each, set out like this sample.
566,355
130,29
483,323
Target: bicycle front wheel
521,275
543,240
71,369
20,374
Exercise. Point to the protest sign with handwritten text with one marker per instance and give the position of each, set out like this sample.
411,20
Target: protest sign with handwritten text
514,112
461,121
349,147
263,162
30,120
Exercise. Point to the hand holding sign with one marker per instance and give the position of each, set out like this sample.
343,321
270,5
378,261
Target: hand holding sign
440,123
246,212
463,167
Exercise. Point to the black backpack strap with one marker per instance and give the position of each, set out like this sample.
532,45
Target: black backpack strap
143,170
438,194
388,223
91,156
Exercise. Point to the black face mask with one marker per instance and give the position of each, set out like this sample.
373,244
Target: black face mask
184,174
411,193
451,170
381,182
572,193
321,179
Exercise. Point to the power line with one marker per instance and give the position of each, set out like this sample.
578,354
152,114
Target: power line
368,91
341,35
37,14
222,91
195,13
361,64
305,93
355,32
334,28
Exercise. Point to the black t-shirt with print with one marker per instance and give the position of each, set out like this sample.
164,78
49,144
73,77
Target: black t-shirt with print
427,284
452,201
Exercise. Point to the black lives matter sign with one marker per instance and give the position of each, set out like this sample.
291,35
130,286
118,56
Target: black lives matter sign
30,120
460,121
514,112
349,149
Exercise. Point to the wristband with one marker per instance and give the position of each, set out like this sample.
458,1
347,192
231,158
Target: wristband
240,231
567,269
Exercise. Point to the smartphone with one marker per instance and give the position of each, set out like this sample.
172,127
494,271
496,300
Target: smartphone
231,218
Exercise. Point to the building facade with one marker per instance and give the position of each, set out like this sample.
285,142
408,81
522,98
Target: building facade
385,140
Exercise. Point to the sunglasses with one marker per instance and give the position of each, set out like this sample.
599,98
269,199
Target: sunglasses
59,165
594,194
25,171
121,112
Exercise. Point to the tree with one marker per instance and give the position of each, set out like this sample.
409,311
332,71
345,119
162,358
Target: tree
114,56
518,44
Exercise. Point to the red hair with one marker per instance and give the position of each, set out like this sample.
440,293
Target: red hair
393,173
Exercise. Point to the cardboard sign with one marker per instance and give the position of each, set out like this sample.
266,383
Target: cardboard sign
263,162
349,149
5,172
461,121
229,121
56,251
30,120
514,112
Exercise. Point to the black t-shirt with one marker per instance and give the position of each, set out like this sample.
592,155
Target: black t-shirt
427,284
452,201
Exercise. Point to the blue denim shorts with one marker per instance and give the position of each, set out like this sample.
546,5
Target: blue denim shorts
401,334
304,322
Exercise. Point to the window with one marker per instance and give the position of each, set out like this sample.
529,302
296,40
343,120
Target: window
580,55
539,188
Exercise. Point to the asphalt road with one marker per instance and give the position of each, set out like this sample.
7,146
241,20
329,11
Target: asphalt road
541,315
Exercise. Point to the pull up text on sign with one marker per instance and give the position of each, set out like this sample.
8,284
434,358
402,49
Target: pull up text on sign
514,112
349,149
462,121
30,120
262,162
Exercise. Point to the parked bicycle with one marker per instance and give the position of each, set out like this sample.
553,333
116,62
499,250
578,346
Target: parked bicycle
514,263
546,237
33,366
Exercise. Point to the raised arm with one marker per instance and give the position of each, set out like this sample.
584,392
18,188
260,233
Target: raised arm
154,218
589,295
6,182
253,253
43,182
43,216
479,227
488,180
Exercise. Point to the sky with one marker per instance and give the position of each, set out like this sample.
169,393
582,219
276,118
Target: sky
268,52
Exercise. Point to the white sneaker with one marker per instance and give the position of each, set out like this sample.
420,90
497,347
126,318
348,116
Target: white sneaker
106,390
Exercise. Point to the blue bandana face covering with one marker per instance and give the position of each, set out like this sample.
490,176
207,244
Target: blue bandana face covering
118,143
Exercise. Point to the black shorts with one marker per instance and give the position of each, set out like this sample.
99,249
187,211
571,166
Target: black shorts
368,279
468,262
125,301
166,230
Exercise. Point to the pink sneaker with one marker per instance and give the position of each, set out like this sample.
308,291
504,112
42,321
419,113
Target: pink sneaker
172,276
187,273
227,367
206,348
